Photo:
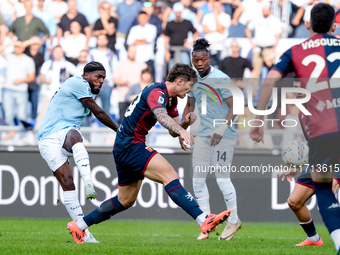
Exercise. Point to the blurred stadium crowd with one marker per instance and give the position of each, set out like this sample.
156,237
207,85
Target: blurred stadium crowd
44,42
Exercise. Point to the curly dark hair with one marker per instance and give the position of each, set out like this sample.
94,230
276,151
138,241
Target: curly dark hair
322,18
180,70
201,44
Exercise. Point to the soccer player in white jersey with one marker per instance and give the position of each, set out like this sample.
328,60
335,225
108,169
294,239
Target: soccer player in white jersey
214,146
59,136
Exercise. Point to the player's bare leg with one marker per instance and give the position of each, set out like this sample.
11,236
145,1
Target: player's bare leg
296,202
74,144
160,170
127,194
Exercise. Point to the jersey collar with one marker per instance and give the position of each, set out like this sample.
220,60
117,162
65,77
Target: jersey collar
203,78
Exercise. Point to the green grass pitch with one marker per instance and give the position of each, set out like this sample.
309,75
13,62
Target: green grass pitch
49,236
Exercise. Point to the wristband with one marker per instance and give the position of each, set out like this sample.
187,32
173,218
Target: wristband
220,131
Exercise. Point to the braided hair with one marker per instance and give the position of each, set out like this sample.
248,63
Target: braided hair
93,66
201,44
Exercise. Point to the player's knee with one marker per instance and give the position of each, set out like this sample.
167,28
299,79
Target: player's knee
293,204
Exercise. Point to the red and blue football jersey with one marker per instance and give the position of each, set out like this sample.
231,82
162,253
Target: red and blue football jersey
139,118
316,62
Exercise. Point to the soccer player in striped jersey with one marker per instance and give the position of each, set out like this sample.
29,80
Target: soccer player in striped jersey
304,188
134,160
316,63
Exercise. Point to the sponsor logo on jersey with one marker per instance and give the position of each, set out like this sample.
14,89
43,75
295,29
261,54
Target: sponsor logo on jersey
335,103
209,93
149,149
161,100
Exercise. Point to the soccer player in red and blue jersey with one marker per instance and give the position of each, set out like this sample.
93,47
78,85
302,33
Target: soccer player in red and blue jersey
304,188
134,160
316,63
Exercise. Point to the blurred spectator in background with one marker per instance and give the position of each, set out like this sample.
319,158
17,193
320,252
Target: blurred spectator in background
149,9
58,8
282,9
73,15
19,6
207,7
46,17
126,74
267,32
82,60
108,59
33,88
126,13
246,12
176,35
52,74
3,64
187,13
7,11
143,37
106,25
28,26
90,9
303,14
3,29
234,66
145,80
215,28
20,72
74,43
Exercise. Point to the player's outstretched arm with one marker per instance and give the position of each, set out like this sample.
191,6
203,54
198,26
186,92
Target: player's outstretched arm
188,116
166,121
100,114
273,77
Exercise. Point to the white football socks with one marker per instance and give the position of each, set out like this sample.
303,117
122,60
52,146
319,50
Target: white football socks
202,194
228,190
336,238
81,158
201,218
72,205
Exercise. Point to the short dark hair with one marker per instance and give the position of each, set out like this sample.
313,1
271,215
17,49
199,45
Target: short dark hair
322,18
201,44
142,12
180,70
146,70
93,66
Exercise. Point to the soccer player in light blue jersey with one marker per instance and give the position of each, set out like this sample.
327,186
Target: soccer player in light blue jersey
59,136
214,146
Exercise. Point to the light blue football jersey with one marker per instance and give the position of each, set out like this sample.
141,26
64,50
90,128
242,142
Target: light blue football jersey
65,108
216,107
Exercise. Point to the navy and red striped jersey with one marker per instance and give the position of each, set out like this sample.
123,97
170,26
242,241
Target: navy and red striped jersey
316,62
139,118
304,125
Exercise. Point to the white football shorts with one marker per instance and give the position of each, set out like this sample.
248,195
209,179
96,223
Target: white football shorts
51,149
219,157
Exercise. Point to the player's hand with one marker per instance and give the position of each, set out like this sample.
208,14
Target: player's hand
187,137
215,140
183,145
289,174
190,118
256,133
